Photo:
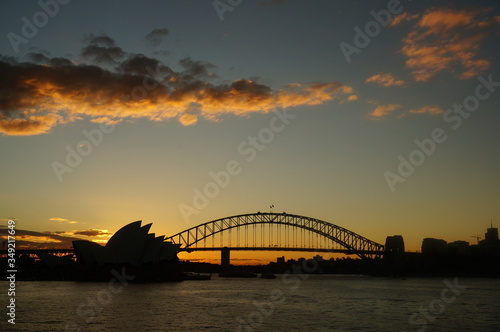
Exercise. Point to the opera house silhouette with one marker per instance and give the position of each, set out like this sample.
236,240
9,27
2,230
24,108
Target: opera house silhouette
130,245
144,256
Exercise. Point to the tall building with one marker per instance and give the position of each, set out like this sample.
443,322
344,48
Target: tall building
432,246
490,246
394,248
491,234
459,248
394,244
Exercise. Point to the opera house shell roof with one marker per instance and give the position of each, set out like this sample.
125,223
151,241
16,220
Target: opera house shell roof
132,244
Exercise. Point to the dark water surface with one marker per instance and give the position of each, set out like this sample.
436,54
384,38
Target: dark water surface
293,303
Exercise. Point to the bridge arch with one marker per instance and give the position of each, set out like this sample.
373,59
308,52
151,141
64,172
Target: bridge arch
352,242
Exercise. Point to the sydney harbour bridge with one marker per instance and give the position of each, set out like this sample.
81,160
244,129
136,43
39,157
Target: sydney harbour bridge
266,231
274,232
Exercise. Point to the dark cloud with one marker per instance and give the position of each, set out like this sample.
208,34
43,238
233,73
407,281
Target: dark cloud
101,50
54,240
102,40
44,92
92,232
140,64
197,69
42,59
155,37
38,58
42,240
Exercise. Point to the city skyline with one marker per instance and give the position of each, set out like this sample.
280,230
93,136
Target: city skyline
381,118
34,240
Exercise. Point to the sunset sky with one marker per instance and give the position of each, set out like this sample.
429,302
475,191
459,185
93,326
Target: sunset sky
381,117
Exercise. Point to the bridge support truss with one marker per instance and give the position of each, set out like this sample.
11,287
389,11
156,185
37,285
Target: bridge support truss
351,242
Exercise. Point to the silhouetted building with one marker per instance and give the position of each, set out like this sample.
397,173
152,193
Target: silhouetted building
145,256
434,246
394,249
131,245
459,248
280,260
394,244
491,235
490,246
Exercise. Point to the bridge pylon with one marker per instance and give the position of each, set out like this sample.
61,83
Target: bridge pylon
225,258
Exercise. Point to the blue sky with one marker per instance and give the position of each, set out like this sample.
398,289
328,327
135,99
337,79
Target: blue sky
352,119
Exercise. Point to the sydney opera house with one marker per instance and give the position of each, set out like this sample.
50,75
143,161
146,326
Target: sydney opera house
145,256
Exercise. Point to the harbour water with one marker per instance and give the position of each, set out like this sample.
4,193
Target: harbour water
290,303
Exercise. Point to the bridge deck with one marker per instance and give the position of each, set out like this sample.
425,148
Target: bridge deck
71,251
345,251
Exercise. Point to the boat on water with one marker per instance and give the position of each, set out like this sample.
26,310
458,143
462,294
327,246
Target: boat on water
237,274
268,275
196,276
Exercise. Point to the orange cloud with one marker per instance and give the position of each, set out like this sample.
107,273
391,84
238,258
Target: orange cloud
188,119
405,17
55,240
446,19
39,239
106,121
95,235
448,40
28,125
383,110
385,80
47,92
64,220
431,110
94,232
6,219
